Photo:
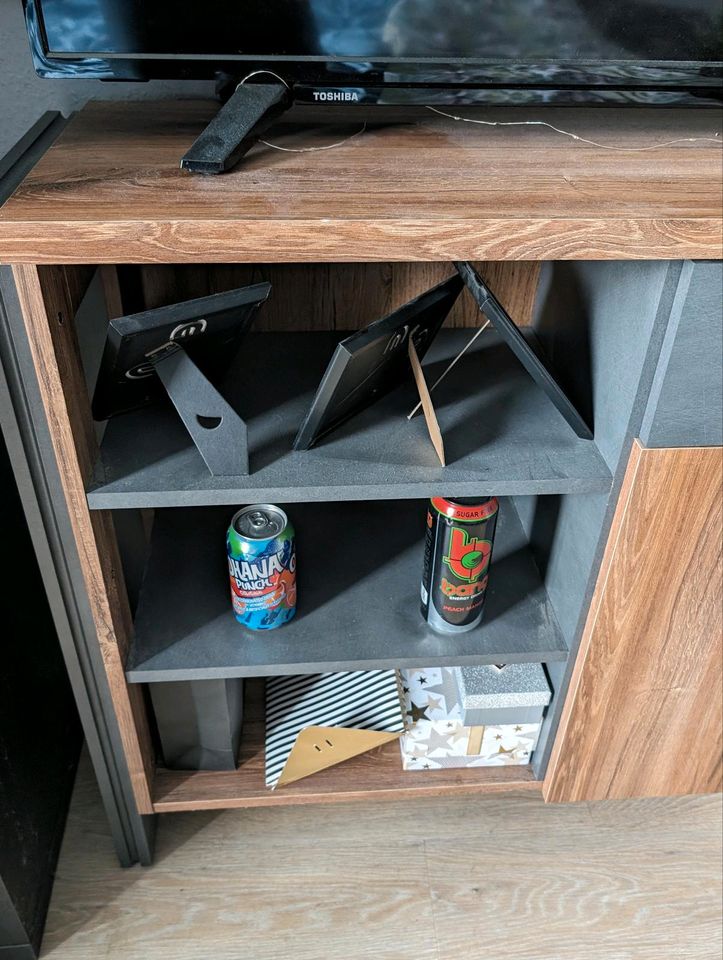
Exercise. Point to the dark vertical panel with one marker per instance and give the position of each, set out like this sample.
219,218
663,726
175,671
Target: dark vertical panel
36,471
686,401
40,733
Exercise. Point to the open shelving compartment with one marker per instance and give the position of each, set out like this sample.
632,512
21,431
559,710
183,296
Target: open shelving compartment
359,565
357,498
374,775
359,568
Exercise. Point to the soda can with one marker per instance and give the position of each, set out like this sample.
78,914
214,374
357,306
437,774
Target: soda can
262,567
457,556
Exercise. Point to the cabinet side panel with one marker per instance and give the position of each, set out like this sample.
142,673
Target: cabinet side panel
48,319
686,400
601,326
643,713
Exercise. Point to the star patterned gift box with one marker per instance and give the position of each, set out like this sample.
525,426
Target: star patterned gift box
436,736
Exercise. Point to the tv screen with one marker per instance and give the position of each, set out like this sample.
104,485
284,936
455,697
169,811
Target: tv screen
546,44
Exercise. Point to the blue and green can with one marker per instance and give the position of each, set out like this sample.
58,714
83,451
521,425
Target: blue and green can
261,551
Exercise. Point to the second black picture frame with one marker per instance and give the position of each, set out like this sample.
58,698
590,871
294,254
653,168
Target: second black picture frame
368,364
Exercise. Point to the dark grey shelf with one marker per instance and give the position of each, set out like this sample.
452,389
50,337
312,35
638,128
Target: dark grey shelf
502,436
359,568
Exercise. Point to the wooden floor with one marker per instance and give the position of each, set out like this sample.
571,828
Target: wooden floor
502,877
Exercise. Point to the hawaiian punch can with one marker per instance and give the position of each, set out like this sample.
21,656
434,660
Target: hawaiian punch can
457,555
262,566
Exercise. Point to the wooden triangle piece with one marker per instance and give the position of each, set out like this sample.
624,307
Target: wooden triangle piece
317,748
435,434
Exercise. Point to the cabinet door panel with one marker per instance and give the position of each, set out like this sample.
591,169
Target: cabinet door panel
643,713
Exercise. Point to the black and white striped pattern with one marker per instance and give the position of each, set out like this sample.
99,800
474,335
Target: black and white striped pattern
361,699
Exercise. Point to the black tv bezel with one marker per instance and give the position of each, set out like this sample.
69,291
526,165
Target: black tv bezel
420,81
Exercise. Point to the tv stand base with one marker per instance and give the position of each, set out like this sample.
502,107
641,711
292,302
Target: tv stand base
248,112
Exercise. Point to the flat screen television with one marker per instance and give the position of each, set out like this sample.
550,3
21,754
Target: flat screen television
397,51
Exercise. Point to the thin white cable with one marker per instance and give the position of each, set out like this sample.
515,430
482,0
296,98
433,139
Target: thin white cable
486,123
328,146
255,73
275,146
572,136
459,356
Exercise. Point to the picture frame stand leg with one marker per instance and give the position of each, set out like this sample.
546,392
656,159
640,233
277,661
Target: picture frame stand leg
214,426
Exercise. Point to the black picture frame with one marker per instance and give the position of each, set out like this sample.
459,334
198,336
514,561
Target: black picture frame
209,329
369,364
532,360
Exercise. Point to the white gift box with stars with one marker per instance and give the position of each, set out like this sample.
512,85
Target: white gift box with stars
436,736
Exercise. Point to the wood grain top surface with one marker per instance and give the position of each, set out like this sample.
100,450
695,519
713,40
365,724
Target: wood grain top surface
428,188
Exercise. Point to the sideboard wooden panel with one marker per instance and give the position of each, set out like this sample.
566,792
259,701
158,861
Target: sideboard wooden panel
643,715
47,303
332,296
110,190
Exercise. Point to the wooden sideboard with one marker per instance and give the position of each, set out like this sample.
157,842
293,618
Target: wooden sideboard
610,259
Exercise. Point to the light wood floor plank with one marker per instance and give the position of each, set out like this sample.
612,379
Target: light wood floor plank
210,834
665,813
612,892
501,877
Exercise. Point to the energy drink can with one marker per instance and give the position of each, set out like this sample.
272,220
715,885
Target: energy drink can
457,555
262,566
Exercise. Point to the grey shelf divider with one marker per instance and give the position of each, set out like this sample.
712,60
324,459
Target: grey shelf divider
502,436
359,568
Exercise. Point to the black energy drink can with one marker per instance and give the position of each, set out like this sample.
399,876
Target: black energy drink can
457,555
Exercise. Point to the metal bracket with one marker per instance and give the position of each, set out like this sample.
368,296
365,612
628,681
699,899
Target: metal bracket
217,430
